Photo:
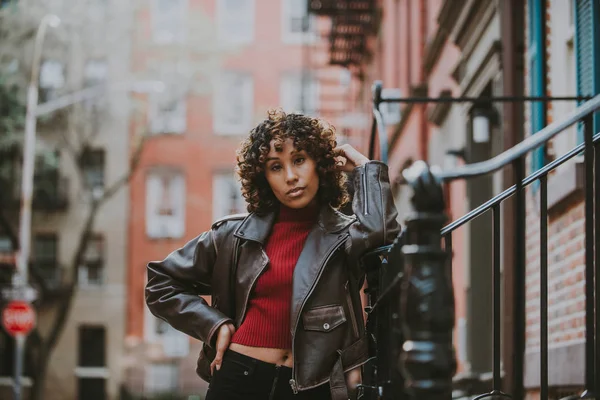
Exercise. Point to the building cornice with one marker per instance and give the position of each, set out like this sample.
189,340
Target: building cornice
476,20
433,50
449,13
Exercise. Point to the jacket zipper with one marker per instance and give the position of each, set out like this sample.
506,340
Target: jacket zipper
351,310
252,287
364,187
294,380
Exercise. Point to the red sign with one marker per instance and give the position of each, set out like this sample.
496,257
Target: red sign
18,318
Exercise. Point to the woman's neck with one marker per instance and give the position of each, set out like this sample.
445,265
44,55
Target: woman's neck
306,214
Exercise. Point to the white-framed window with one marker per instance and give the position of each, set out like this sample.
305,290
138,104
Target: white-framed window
168,113
233,103
299,92
52,79
227,195
91,371
91,271
169,21
294,15
165,204
161,378
235,21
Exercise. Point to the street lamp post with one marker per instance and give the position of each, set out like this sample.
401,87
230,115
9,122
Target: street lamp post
20,278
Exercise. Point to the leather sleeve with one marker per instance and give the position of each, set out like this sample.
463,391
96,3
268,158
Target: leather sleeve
175,284
373,206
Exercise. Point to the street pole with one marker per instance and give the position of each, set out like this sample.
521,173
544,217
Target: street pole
20,279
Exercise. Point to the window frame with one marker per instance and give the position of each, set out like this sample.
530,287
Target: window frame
294,78
290,37
171,122
245,94
224,22
168,230
162,36
83,279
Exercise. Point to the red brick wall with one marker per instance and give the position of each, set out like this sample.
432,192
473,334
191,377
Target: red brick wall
566,263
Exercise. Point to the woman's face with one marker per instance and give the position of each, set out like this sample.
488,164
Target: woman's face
292,175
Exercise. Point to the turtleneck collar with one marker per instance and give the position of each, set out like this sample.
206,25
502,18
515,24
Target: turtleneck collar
306,214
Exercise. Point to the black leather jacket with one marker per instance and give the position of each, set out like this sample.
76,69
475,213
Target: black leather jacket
328,336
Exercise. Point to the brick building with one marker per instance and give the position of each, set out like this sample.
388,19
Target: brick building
239,58
475,48
562,54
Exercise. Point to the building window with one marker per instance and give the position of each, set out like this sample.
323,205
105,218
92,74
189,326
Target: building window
537,87
165,205
91,388
45,258
91,368
6,3
161,378
227,195
92,164
294,15
92,343
169,21
91,271
168,114
299,92
235,21
52,79
587,54
233,103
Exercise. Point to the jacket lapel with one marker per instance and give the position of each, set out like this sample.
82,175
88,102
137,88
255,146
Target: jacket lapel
320,243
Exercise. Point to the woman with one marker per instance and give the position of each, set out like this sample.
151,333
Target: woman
286,319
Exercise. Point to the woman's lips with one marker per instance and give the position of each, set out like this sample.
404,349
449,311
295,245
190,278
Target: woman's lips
296,192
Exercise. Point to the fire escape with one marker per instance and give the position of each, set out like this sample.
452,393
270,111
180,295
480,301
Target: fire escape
354,25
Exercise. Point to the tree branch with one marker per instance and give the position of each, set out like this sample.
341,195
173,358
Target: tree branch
66,301
133,163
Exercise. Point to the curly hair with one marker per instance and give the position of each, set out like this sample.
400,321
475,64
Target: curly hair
313,135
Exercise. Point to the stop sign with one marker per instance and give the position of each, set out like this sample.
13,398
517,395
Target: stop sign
18,318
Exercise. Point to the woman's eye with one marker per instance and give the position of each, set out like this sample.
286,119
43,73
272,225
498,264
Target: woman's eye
275,168
299,160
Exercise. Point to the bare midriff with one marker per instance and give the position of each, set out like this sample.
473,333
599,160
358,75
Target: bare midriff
273,356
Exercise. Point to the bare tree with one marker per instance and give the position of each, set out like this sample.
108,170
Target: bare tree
73,131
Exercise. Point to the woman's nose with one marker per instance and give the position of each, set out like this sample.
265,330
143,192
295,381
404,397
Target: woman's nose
290,174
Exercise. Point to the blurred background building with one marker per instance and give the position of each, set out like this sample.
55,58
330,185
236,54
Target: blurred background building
130,172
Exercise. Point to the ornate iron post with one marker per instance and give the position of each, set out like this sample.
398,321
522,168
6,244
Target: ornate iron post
427,306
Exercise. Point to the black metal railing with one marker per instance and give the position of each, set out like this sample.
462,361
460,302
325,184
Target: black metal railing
407,278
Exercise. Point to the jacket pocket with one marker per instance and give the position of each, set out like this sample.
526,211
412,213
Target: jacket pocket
323,318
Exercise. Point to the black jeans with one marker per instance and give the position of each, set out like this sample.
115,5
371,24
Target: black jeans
246,378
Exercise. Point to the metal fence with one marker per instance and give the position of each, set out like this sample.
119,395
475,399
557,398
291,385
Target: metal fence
411,299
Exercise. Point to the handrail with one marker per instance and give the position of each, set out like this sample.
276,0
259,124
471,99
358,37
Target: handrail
495,163
524,147
476,212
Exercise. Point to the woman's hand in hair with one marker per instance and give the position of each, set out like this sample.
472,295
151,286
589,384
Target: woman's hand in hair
347,158
224,336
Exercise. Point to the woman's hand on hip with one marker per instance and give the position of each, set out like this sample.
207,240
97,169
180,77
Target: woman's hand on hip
347,158
224,336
